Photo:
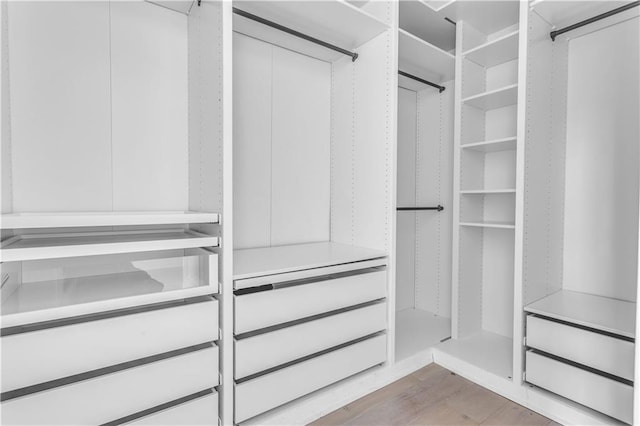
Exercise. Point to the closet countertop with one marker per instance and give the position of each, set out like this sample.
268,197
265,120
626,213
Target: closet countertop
255,262
589,310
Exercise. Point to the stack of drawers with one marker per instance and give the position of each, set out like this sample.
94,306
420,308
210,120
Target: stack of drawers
147,365
579,360
294,336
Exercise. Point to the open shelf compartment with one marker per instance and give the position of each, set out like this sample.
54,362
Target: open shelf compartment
416,56
495,52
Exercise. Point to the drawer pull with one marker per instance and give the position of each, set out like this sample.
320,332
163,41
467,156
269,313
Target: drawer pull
292,283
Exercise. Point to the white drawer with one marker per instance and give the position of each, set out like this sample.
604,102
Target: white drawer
267,308
597,392
198,411
604,353
81,347
264,351
113,396
263,393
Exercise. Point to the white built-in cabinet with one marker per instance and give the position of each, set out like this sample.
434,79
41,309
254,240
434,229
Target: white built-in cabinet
112,204
256,212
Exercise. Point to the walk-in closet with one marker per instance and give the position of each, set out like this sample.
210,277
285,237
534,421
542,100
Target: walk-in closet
258,212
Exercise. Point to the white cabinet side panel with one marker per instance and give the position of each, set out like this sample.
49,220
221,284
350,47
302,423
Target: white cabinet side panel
60,107
300,166
251,142
406,260
149,95
206,99
602,162
497,281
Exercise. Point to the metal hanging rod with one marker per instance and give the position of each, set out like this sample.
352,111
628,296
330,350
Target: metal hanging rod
405,209
295,33
413,77
554,34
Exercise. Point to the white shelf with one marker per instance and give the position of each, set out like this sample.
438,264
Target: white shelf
416,55
494,99
495,52
336,22
561,13
418,331
589,310
56,246
256,262
82,219
488,191
97,284
499,225
503,144
487,351
487,16
425,21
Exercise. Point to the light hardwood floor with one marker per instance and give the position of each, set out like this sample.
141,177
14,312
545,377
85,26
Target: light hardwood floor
433,396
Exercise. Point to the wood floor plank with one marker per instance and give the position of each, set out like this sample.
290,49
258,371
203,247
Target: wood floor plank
432,396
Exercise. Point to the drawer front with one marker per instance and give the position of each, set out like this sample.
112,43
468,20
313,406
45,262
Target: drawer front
604,353
261,394
267,308
600,393
77,348
199,411
259,353
116,395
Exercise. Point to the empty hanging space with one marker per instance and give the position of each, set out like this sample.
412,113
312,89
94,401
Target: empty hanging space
311,209
426,67
580,256
485,191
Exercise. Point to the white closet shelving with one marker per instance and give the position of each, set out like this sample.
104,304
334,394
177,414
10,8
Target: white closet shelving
425,132
111,210
313,86
486,187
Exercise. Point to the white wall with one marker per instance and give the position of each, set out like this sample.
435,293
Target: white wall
601,198
95,125
281,146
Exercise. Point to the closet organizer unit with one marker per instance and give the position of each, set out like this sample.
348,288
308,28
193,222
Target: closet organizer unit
314,86
426,66
486,178
111,184
581,203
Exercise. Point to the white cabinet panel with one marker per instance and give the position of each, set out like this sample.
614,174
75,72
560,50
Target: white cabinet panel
268,350
60,106
267,308
77,348
113,396
256,396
